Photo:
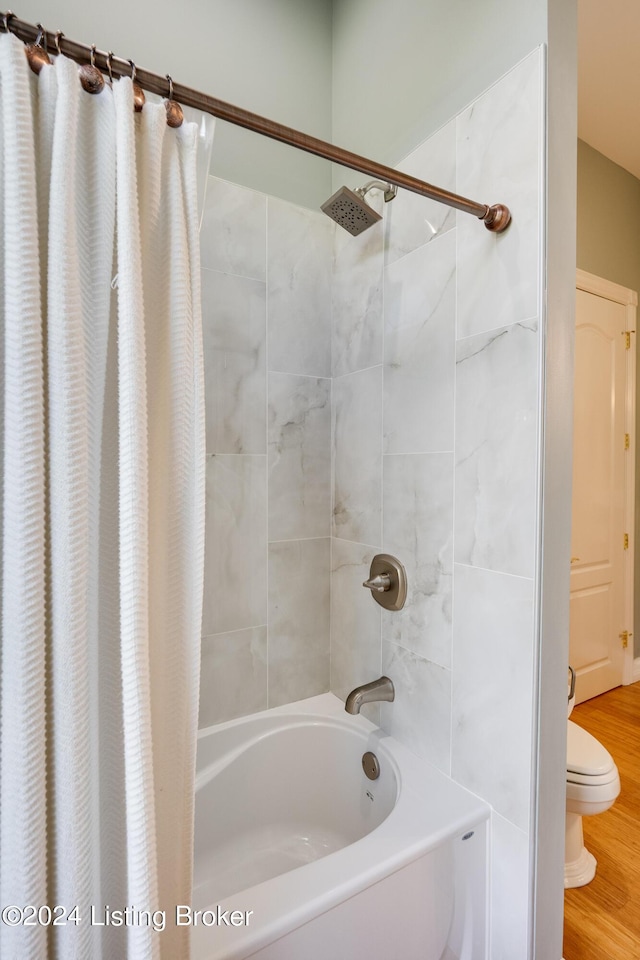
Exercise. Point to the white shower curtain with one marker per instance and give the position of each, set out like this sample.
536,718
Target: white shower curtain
102,514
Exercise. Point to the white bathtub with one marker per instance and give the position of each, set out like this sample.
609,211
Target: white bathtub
320,862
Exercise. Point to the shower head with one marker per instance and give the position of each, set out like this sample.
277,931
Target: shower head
350,210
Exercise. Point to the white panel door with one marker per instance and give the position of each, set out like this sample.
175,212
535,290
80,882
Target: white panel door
597,606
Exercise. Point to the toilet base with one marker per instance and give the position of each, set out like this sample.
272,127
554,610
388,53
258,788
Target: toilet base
579,864
581,871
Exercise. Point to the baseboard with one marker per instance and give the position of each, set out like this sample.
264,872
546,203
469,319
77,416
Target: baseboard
636,670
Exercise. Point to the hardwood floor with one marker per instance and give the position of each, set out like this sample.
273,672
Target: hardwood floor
602,919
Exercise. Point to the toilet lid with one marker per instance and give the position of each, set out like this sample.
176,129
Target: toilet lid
585,754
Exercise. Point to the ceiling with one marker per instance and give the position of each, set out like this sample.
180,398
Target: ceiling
609,79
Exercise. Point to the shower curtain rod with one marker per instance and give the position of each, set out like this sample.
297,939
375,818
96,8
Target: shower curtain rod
495,218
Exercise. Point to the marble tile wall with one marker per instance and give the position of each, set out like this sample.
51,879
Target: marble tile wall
381,393
435,456
266,274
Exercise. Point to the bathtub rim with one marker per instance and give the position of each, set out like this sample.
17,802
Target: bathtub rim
298,720
409,832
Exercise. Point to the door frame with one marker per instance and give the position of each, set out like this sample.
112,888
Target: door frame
600,287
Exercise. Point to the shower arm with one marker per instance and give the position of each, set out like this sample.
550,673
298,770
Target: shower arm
389,190
495,218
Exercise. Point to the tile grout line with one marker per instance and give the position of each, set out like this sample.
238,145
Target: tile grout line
266,424
455,472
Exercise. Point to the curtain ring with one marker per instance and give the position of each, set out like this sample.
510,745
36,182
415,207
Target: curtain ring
90,77
175,115
36,52
59,36
138,92
5,20
109,59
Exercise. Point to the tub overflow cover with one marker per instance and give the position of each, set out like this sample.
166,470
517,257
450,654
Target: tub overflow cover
370,765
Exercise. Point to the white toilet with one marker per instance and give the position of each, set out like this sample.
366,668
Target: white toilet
593,783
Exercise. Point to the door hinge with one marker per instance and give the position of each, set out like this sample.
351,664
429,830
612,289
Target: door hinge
627,338
626,541
624,636
627,441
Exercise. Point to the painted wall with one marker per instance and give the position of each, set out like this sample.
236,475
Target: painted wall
374,76
608,245
403,68
608,233
555,469
245,52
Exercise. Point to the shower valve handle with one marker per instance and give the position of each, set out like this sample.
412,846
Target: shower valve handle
380,583
387,581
